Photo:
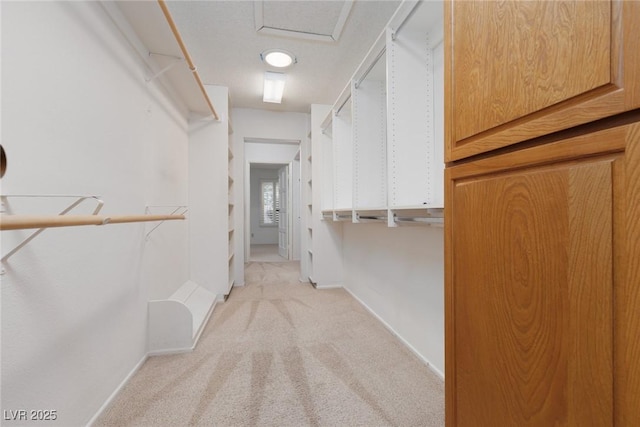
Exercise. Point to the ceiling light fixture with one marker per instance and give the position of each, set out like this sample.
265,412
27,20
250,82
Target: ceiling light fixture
273,87
278,58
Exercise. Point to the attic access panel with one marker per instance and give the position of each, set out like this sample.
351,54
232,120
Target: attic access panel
309,20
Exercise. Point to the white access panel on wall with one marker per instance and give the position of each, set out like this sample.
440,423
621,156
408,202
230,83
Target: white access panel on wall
415,128
369,98
343,158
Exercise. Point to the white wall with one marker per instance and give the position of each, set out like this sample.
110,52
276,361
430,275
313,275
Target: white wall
78,118
252,124
398,273
260,234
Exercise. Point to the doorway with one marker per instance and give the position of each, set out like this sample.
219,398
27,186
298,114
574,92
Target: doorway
270,208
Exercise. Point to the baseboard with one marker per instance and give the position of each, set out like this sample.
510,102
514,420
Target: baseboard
171,351
144,359
397,335
329,286
113,395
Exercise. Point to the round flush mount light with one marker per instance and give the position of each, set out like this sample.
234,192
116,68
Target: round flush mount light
278,58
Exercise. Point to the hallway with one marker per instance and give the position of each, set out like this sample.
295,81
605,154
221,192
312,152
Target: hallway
265,253
281,353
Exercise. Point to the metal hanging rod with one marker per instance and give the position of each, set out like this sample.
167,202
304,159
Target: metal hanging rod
419,220
371,218
343,104
370,67
404,20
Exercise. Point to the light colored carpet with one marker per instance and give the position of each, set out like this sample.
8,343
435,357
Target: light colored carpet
265,253
281,353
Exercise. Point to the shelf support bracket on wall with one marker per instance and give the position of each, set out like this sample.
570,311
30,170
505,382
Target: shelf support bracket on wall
178,210
176,60
80,199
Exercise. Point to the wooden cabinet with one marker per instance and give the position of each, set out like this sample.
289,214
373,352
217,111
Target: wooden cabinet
543,285
542,213
519,70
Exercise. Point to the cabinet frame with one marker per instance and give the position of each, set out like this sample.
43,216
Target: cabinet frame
620,95
622,145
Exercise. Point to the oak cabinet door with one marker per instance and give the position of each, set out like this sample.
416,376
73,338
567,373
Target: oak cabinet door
517,70
542,278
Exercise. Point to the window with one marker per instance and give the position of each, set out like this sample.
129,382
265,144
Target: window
270,214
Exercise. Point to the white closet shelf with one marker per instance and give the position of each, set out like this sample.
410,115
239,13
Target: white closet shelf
175,324
154,27
383,150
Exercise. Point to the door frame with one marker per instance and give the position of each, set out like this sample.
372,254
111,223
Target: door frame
247,207
287,204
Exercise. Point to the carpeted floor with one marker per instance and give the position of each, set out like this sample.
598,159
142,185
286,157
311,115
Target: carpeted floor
265,253
281,353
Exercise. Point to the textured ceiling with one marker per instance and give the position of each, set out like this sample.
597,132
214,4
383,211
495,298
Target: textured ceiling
317,17
222,39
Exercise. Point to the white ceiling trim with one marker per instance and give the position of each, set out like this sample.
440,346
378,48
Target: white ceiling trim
258,9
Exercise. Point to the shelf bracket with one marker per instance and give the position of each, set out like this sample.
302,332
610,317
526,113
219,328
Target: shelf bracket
80,199
176,60
178,210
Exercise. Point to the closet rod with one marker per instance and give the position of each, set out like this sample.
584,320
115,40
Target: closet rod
343,104
368,70
404,20
185,52
21,222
